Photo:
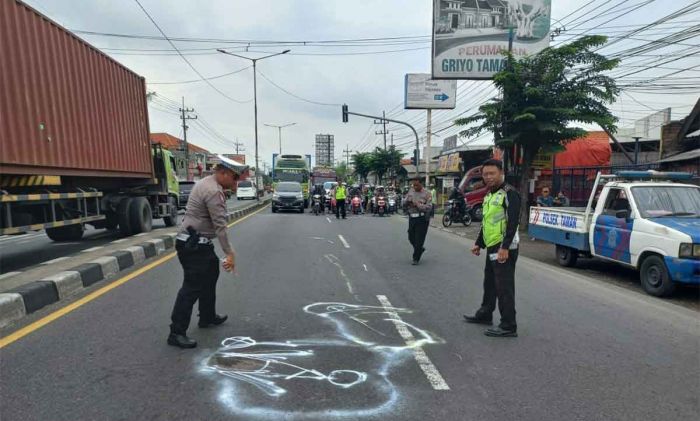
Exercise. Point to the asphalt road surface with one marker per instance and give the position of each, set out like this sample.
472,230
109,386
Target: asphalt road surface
18,252
328,320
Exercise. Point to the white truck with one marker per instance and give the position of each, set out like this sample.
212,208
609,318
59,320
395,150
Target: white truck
646,220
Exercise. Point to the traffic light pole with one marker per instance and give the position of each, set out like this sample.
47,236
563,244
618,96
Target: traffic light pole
415,133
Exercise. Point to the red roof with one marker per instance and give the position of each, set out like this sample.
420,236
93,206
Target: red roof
172,143
592,150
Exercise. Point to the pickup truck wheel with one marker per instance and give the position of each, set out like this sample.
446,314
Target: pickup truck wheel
140,215
654,277
67,233
566,256
123,216
171,220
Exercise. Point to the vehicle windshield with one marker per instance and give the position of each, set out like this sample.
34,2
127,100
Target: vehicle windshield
288,187
292,176
329,185
245,184
655,202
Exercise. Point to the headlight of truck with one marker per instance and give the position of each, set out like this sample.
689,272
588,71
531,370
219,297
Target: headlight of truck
689,250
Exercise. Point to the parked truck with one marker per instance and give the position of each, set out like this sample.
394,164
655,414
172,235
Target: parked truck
645,220
74,136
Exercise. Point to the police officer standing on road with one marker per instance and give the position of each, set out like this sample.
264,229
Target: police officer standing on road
499,236
418,205
340,195
205,218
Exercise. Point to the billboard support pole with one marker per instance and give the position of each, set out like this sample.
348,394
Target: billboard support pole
427,140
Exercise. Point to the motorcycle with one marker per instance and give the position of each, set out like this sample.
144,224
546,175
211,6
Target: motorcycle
454,214
356,204
381,207
317,204
392,206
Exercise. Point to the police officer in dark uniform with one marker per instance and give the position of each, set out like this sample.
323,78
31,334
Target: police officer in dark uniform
205,218
499,236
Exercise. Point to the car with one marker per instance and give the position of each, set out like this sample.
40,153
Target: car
246,190
288,195
185,190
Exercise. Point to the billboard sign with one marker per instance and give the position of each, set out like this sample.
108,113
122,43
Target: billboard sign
470,36
422,92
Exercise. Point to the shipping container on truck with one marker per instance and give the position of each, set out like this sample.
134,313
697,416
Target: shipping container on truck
74,136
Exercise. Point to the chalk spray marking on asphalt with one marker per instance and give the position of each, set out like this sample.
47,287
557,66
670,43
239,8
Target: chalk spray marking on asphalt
365,266
336,262
274,368
431,372
328,219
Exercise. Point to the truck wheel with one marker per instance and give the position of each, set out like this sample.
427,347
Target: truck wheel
140,215
123,216
68,233
654,277
566,256
171,220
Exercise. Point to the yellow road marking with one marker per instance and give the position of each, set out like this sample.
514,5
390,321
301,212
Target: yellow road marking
19,334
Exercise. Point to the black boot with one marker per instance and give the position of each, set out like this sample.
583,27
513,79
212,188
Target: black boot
479,318
211,323
499,332
181,341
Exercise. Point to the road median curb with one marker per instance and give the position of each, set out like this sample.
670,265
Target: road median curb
19,302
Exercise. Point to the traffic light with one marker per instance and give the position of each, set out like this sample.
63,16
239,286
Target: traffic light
413,160
345,113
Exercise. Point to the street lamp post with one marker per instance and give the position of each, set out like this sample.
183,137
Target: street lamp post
255,102
279,130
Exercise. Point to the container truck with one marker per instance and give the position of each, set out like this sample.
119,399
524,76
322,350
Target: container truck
646,220
74,136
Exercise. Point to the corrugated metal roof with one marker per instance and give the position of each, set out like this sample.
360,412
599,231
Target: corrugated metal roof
683,156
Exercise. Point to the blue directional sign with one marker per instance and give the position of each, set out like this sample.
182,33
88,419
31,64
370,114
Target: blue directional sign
442,97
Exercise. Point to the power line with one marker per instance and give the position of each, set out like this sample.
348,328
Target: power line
295,95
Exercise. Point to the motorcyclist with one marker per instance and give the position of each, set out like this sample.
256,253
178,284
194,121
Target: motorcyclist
458,200
379,191
318,189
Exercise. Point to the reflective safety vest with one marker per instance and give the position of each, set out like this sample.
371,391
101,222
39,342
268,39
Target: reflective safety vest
495,219
340,193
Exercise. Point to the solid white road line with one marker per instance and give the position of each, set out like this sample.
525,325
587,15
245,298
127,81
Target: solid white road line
431,372
8,274
92,249
59,259
342,240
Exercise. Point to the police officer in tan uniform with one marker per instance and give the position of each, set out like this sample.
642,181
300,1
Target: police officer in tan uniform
418,204
205,218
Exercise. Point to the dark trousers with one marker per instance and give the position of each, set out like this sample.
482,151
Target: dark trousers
201,268
340,208
499,285
417,230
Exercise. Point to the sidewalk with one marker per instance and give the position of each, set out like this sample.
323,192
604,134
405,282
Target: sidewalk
686,296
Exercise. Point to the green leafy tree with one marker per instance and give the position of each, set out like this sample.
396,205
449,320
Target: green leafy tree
381,162
341,171
361,161
542,95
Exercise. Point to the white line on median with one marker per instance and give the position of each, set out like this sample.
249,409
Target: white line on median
92,249
8,274
431,372
342,240
141,234
58,259
121,240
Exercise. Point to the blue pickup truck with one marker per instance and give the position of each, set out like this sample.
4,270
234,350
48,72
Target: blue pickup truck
646,220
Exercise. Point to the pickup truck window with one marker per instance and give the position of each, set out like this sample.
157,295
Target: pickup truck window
655,202
616,201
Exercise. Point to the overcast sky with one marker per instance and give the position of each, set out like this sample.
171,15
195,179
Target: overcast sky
367,83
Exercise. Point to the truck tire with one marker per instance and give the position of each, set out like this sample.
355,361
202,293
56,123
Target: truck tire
566,256
140,215
654,277
67,233
123,216
171,220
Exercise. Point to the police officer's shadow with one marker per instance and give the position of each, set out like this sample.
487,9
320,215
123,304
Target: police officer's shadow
348,374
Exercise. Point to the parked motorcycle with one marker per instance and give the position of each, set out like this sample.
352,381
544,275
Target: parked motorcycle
317,204
356,204
381,207
453,213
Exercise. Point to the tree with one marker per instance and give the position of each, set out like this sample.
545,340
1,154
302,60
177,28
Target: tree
362,163
341,171
542,95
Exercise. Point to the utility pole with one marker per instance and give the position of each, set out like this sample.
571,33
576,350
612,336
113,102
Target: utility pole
347,155
383,123
428,154
239,146
184,116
